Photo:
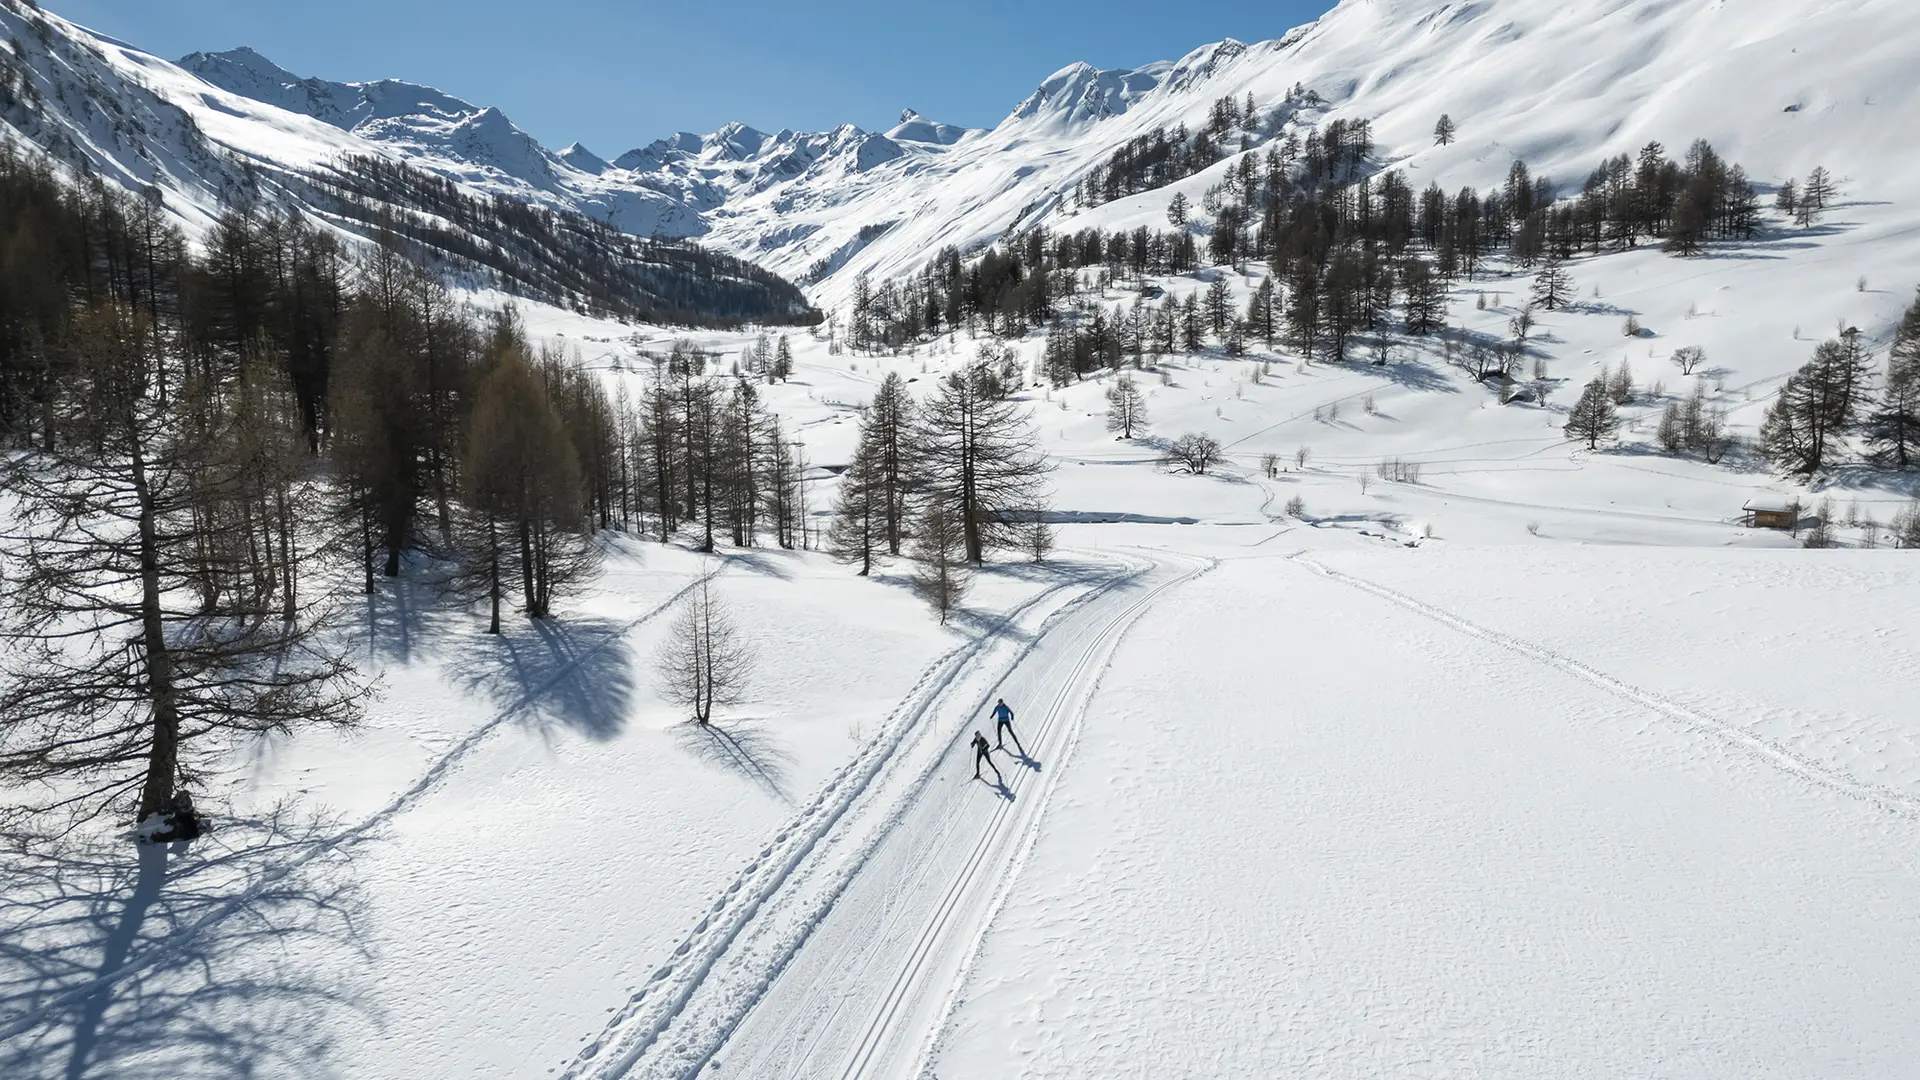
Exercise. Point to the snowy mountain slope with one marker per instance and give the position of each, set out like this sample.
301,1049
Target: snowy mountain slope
108,109
1561,86
469,144
662,188
103,108
1779,86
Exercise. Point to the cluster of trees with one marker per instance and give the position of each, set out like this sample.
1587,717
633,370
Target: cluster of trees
1694,426
1832,402
1166,155
702,450
202,441
1348,251
559,257
264,282
952,478
156,566
1010,288
1835,406
1806,203
160,412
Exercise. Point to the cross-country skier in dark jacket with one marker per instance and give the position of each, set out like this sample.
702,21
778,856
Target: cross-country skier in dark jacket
1003,727
983,752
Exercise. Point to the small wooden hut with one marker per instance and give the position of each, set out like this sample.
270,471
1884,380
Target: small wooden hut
1762,514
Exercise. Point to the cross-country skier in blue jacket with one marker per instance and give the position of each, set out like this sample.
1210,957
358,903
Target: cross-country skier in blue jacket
1003,727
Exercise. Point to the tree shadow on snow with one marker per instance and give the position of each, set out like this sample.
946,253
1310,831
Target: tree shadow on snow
580,669
764,563
746,748
1597,307
1414,375
405,618
220,957
1000,624
1865,477
1054,571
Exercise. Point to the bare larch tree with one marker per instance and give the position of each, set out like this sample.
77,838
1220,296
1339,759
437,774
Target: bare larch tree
151,621
706,661
941,574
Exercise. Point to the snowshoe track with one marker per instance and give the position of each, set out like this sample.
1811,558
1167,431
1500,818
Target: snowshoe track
1762,749
435,773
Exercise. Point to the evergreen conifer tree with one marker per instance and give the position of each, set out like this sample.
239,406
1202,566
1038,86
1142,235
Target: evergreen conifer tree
1592,417
1893,430
1552,286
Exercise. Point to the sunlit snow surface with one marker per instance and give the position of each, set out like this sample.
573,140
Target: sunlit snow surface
1541,767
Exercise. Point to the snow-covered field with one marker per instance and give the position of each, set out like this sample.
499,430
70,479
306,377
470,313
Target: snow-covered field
1539,767
1317,827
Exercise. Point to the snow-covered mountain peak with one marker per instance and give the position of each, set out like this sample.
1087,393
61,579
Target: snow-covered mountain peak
918,129
736,141
441,132
345,105
1778,85
579,157
1081,93
1202,64
242,59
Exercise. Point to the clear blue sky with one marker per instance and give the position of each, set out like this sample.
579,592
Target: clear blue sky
618,74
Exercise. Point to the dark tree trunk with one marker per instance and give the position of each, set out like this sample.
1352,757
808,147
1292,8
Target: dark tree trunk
163,757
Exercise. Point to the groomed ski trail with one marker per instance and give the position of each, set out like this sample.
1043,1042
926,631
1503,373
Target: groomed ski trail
1762,749
783,867
1066,713
863,994
732,987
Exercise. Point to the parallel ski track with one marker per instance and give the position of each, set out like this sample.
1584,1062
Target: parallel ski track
1762,749
651,1010
1094,657
434,775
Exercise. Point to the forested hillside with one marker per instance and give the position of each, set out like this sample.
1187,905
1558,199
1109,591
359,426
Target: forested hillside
102,112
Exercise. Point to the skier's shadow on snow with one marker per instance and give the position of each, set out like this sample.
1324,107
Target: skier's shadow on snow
999,787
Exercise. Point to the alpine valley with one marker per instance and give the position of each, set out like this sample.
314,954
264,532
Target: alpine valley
1436,492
